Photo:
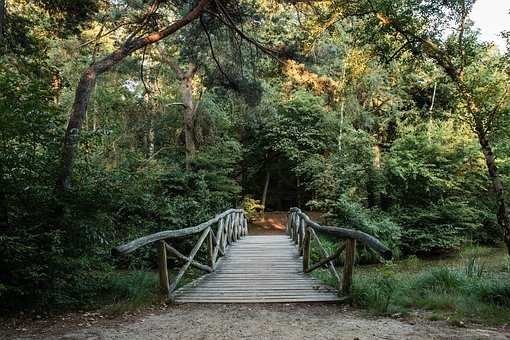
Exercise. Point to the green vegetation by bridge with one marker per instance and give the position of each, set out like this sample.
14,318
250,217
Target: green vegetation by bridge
133,124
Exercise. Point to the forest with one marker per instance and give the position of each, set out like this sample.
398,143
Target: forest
122,118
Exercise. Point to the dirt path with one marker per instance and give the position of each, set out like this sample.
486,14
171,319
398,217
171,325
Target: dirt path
273,223
264,321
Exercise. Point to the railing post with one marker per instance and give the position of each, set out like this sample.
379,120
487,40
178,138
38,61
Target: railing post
301,235
289,223
296,229
236,228
221,235
350,252
163,269
306,249
210,248
229,229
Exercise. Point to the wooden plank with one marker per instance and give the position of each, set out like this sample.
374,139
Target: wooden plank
258,269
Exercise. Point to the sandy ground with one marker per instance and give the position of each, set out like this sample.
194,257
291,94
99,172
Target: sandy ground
261,321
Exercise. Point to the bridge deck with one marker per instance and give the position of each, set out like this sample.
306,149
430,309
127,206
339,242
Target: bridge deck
258,269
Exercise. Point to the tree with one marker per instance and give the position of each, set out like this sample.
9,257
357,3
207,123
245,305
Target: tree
417,28
186,89
89,76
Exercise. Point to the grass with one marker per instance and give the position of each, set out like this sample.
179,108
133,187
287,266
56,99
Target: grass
135,290
473,286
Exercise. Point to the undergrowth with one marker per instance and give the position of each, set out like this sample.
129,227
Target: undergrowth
470,288
130,291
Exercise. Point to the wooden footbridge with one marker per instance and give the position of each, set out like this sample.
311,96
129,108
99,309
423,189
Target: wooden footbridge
253,269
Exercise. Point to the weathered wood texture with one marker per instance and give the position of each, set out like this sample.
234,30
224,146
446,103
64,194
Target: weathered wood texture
231,226
258,269
303,232
140,242
350,253
345,233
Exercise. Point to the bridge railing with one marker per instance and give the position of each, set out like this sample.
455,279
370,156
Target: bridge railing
221,231
303,231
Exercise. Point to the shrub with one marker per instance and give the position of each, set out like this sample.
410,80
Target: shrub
349,214
253,209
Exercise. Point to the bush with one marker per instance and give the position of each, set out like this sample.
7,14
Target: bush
349,214
253,209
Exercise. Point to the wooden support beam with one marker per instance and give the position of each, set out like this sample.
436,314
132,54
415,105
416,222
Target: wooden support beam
219,244
295,229
326,260
183,257
210,249
302,227
350,252
191,256
324,253
163,269
229,229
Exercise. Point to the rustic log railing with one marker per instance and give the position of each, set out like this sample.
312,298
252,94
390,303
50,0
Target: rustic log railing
303,232
230,225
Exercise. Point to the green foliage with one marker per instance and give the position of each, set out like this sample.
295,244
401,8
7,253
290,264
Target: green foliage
253,209
435,208
349,214
449,293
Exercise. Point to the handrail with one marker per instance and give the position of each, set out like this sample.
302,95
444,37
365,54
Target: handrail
369,240
303,232
167,234
232,225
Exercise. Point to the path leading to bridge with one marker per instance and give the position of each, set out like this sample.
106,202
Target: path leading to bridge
257,322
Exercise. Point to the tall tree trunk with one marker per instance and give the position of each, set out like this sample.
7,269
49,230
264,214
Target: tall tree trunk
189,117
266,187
88,81
502,209
186,88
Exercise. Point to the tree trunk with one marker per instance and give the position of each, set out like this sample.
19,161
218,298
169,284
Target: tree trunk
189,117
186,88
78,114
88,81
266,187
502,209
